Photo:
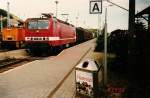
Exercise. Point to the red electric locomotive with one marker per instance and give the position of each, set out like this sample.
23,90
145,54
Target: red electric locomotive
48,34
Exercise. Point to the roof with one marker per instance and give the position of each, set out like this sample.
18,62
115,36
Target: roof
12,16
145,11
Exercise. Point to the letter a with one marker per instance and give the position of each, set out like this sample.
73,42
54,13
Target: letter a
95,7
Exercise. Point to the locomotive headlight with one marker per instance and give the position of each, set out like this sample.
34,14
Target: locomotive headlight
37,31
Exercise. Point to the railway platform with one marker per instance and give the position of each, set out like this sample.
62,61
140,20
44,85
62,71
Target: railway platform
50,78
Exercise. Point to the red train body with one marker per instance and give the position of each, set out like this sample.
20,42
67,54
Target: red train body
48,32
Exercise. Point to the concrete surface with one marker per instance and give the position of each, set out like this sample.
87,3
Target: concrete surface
68,88
42,78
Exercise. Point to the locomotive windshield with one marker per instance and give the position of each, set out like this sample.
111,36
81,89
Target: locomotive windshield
38,24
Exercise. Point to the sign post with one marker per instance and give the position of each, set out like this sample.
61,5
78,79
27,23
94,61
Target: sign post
96,8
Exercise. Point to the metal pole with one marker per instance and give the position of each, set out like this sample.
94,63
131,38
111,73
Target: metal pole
56,7
132,61
99,25
1,18
77,17
131,16
66,16
97,34
105,49
8,15
76,21
149,22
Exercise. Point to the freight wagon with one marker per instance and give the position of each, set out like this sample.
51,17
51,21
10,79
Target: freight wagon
83,35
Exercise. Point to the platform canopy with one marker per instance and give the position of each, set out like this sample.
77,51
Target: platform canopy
145,11
142,14
4,15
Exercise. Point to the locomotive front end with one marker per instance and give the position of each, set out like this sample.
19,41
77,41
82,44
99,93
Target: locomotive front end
37,34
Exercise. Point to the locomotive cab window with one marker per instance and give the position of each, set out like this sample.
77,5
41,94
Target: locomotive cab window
38,24
32,24
43,24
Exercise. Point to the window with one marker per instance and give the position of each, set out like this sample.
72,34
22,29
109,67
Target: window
38,24
32,25
43,24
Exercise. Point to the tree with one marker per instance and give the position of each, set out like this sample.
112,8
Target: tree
100,41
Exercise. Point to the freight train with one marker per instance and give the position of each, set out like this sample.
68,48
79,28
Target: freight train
48,34
83,35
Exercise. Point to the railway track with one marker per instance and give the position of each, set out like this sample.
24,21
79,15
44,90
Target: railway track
10,63
15,58
3,50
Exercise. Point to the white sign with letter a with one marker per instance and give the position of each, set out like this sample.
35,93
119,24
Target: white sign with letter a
95,6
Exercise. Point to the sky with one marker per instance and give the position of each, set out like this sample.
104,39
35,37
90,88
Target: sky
77,10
